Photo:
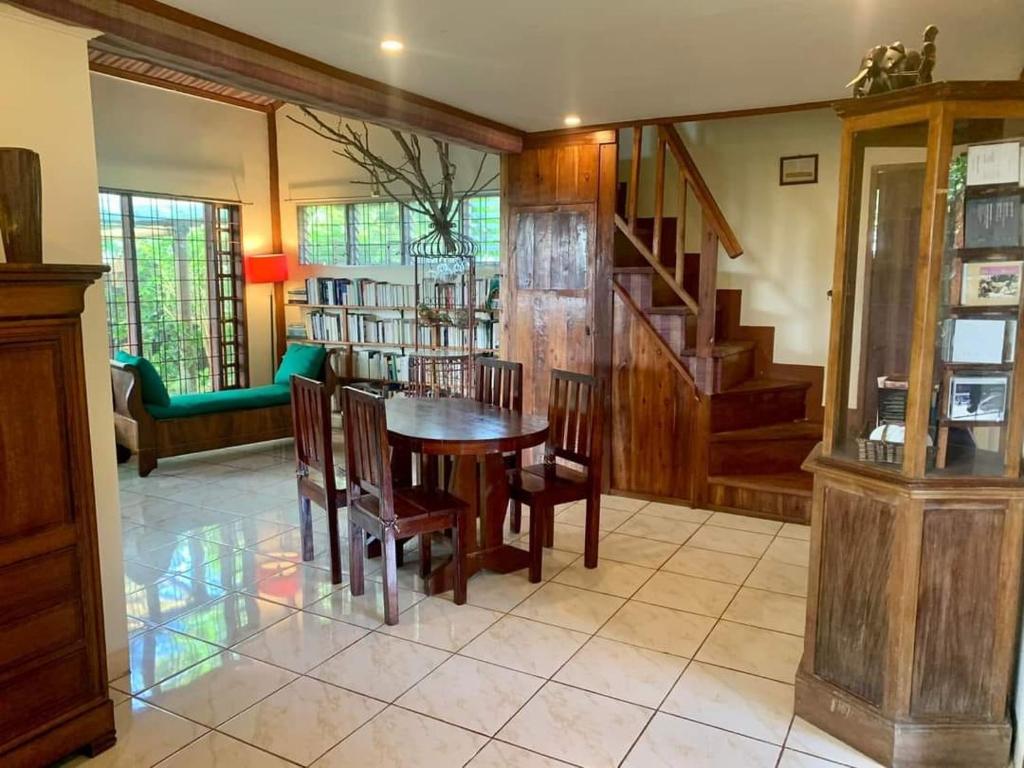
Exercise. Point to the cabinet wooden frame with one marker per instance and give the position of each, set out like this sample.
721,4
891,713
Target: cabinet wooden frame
914,586
938,106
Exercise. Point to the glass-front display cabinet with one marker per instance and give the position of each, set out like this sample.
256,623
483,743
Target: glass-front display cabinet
910,644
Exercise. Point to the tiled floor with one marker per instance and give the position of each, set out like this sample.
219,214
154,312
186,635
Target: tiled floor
679,650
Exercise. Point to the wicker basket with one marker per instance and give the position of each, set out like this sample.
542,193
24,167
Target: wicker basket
879,451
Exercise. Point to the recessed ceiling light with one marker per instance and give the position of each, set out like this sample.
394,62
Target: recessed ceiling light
391,45
572,120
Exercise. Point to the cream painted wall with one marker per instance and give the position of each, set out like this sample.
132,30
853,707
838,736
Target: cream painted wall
45,106
159,141
788,233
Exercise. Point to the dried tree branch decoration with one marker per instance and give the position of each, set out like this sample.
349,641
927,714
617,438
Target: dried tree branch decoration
439,201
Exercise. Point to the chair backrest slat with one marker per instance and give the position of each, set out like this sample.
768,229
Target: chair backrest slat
367,449
575,419
311,422
499,383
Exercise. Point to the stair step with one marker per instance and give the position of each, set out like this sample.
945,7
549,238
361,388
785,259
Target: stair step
759,403
785,496
680,309
632,270
793,483
752,386
724,349
790,430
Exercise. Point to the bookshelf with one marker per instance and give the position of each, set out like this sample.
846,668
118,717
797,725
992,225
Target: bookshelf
378,326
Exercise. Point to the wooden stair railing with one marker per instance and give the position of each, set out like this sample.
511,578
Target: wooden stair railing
715,231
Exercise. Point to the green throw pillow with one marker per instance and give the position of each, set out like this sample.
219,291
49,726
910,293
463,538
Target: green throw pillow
302,359
153,390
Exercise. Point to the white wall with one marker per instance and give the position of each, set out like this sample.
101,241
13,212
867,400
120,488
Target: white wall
45,106
788,233
154,140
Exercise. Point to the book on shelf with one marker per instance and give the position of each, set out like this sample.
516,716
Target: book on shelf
296,331
366,292
382,365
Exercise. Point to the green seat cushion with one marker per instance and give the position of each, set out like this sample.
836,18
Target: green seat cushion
153,390
224,400
301,359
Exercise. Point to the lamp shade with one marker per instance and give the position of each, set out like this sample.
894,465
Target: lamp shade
272,268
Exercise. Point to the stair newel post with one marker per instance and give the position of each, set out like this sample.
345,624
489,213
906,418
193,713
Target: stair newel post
706,295
659,196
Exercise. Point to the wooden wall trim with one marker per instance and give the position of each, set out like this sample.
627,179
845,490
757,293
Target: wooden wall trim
569,133
156,82
156,32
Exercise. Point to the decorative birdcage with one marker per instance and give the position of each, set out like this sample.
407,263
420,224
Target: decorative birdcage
441,363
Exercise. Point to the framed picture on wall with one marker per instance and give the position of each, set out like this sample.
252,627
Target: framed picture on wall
798,169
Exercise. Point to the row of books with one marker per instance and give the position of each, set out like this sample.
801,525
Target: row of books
364,292
378,364
328,325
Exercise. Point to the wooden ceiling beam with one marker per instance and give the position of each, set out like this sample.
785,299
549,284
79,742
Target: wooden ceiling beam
159,82
164,35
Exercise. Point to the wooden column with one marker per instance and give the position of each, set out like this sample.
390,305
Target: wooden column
280,340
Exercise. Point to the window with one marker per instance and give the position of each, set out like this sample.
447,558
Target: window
379,233
175,292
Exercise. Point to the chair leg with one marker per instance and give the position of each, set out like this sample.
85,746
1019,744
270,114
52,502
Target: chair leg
425,555
516,522
306,527
147,462
389,547
335,544
592,530
537,514
356,545
460,562
549,527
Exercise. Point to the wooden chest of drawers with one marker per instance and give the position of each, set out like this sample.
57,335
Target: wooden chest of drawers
53,690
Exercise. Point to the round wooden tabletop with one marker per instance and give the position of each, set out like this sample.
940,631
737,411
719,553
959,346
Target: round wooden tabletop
460,427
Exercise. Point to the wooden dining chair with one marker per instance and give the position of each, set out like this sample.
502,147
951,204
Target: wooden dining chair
500,383
575,425
311,419
376,507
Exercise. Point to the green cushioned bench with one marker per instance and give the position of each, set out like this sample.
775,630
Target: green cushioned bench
225,400
153,424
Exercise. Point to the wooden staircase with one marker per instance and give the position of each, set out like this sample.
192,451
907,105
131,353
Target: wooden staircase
754,423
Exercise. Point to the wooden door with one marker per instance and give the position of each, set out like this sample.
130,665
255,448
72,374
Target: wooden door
558,211
551,266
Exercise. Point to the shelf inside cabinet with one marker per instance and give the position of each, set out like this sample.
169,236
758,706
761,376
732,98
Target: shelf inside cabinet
1007,312
991,253
977,367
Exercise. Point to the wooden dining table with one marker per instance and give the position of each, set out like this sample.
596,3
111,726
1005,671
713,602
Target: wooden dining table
476,436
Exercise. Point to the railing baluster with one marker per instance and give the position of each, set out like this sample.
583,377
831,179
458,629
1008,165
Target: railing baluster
706,295
633,193
659,196
681,230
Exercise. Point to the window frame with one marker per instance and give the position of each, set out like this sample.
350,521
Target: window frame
405,223
224,277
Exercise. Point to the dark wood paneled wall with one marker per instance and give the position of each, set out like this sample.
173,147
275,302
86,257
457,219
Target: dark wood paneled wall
653,412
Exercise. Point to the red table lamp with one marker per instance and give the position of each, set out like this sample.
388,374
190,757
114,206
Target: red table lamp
272,268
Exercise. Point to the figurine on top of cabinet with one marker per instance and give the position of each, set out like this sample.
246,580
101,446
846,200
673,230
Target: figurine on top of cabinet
891,67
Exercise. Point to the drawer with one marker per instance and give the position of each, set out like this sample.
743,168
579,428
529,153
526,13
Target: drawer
39,582
40,633
43,694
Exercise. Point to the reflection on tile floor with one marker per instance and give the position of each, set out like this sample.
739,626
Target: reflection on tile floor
679,650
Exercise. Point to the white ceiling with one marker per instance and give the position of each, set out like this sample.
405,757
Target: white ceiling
527,63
